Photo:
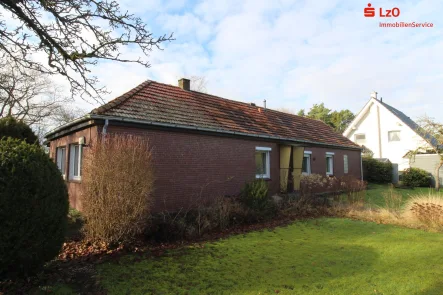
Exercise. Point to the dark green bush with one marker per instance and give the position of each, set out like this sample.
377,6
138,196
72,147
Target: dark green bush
10,127
415,177
376,171
33,208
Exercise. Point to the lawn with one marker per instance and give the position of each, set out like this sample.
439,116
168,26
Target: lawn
374,193
322,256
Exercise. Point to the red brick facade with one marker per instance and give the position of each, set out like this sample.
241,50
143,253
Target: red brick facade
194,168
74,187
318,161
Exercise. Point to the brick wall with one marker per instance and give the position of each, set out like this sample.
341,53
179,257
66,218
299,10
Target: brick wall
74,187
192,168
318,161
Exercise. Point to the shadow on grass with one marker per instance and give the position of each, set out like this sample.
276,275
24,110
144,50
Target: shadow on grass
436,289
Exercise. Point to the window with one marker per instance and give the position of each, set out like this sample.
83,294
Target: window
60,158
329,163
394,136
345,164
360,138
306,167
75,162
262,162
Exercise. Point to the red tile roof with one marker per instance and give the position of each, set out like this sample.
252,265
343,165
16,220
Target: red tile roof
161,103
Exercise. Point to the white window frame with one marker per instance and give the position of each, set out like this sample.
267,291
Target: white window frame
330,156
72,160
60,159
307,154
345,164
399,136
267,151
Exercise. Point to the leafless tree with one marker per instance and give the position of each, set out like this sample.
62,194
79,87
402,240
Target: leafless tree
67,114
30,96
432,133
199,83
74,35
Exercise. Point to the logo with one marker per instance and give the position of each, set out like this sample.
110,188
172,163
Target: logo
370,12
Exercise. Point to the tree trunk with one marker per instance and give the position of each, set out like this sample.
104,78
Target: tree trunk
437,176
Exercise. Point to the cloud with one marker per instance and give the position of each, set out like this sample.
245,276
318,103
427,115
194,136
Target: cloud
293,53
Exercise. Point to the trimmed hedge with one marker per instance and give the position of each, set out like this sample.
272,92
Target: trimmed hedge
33,208
415,177
10,127
376,171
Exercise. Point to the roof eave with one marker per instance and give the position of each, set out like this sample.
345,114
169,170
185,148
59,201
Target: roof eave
358,117
205,129
70,124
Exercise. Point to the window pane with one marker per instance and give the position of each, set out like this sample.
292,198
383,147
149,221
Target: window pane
360,138
62,160
345,162
305,164
61,154
260,163
59,158
329,162
394,135
76,156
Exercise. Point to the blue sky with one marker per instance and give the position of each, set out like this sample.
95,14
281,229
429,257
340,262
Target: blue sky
294,53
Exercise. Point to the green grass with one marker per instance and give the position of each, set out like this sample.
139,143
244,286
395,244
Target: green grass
323,256
60,289
374,193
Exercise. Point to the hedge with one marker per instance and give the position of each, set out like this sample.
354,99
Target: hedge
376,171
33,208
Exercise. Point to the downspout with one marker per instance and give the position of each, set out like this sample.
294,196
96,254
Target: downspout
361,166
105,127
379,132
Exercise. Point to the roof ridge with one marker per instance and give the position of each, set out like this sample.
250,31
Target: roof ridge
155,102
120,99
212,95
245,103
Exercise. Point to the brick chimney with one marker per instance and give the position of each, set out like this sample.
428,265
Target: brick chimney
184,84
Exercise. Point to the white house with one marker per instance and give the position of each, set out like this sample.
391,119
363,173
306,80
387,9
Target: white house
386,131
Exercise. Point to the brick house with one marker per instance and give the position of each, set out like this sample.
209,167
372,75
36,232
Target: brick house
204,145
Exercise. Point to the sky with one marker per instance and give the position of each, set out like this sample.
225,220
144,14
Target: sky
293,53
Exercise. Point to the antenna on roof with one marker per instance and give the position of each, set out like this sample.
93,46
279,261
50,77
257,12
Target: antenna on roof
264,102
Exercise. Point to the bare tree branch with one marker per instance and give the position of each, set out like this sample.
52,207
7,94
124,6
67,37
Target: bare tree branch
199,83
74,35
30,97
